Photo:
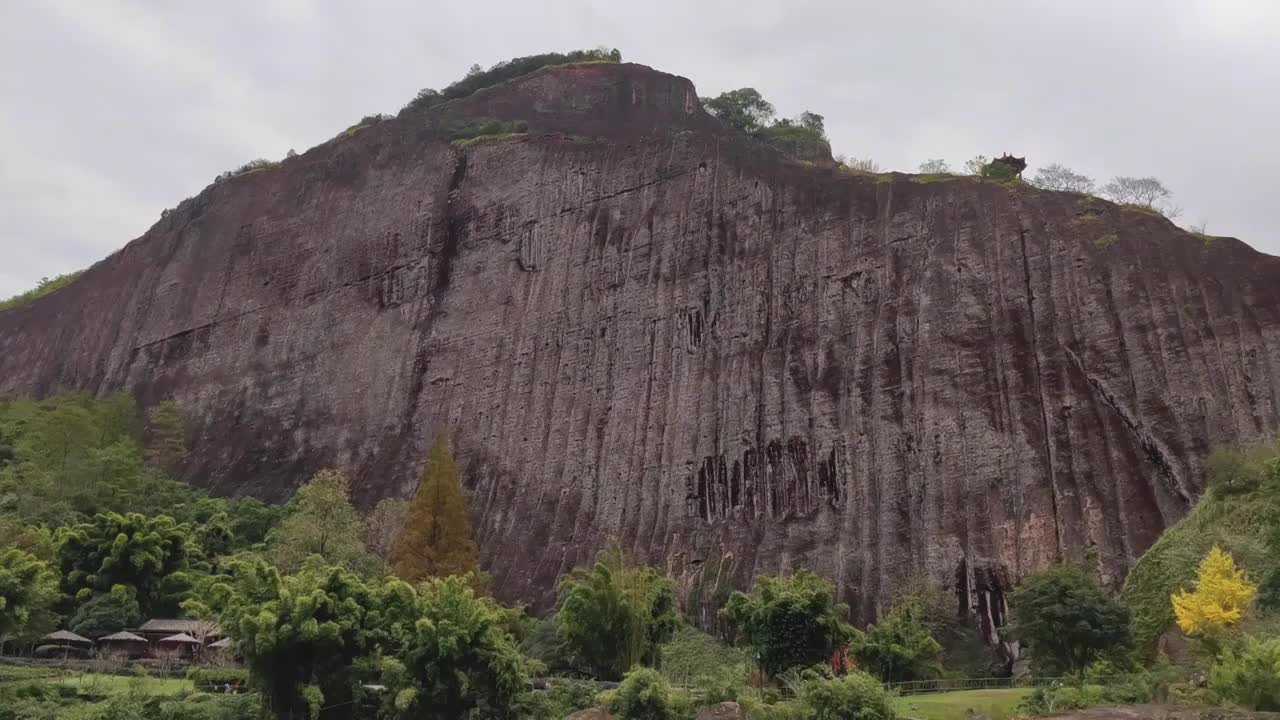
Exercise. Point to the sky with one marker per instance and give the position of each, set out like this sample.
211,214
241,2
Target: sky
112,110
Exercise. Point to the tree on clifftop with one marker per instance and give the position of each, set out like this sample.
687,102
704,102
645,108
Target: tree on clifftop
744,109
437,540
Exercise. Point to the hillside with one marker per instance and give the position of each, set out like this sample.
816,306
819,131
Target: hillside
639,324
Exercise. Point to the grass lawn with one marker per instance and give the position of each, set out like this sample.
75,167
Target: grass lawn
100,684
994,704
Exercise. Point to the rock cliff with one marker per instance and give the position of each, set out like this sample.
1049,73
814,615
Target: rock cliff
640,325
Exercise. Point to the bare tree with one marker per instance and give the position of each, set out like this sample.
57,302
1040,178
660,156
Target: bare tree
863,165
384,524
975,166
935,166
1060,177
1145,192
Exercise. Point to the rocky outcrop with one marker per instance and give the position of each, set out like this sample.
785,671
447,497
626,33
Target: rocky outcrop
639,325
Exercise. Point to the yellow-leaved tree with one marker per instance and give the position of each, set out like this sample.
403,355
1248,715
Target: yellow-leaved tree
1222,594
436,540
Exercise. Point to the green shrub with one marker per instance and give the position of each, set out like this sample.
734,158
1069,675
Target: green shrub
900,647
1067,622
561,699
203,677
693,658
1060,698
1250,677
646,695
203,706
856,695
790,621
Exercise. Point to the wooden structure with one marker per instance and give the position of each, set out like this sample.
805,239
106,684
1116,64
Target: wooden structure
125,643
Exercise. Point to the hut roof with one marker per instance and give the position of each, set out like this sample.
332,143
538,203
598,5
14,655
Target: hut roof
68,637
122,636
180,638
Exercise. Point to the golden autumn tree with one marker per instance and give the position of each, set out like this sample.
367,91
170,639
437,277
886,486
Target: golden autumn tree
437,540
1222,594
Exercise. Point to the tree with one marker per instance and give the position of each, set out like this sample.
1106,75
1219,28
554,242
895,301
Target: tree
166,436
790,621
1222,594
616,615
1144,192
148,554
456,659
384,525
303,635
1060,177
1067,622
900,647
321,522
107,613
742,109
28,590
863,165
975,166
437,540
813,122
935,166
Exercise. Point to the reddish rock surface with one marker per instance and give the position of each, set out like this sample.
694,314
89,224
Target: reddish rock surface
639,325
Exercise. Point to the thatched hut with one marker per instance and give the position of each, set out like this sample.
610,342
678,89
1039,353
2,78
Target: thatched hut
124,643
181,644
64,643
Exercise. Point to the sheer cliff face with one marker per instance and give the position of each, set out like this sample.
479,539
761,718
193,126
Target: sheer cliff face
637,325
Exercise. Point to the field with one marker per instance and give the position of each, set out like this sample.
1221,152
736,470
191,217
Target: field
101,684
995,704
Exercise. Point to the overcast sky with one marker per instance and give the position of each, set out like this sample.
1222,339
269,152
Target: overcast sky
111,110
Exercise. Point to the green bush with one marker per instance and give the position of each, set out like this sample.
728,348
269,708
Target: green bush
856,695
646,695
790,621
1249,677
204,677
1067,622
900,647
1060,698
693,658
561,699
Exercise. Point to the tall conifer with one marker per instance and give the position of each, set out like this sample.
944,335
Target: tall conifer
437,539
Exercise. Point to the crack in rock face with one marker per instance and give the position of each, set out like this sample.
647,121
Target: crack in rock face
641,326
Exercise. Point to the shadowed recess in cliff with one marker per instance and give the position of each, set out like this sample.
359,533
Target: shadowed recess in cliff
782,480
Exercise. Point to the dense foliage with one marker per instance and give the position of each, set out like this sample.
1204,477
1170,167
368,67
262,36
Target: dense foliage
148,554
28,590
1249,677
1065,621
437,539
321,521
615,615
856,695
455,659
900,646
646,695
106,613
301,635
790,621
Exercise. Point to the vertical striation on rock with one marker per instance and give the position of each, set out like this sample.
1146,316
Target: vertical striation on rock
638,325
